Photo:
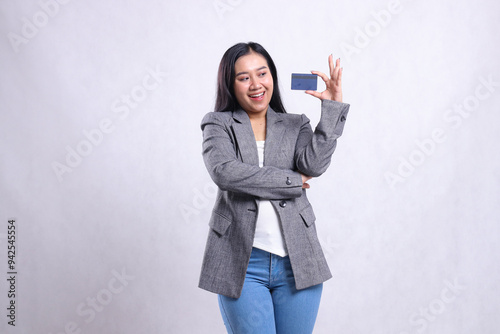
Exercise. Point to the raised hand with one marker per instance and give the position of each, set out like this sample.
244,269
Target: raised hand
333,89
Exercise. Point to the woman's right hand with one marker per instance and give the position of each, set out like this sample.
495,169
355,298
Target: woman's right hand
305,178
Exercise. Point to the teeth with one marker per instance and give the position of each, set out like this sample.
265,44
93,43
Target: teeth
257,95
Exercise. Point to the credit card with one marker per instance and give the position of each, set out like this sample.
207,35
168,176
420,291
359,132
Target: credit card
304,81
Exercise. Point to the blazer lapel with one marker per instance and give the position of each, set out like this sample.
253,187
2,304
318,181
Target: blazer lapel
275,129
245,137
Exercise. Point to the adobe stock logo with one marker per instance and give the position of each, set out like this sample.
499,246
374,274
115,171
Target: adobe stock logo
371,29
88,310
428,146
223,6
122,107
420,320
30,28
200,201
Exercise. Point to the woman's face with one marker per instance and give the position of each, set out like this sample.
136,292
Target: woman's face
253,84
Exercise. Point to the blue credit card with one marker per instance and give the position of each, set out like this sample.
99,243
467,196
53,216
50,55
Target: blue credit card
304,81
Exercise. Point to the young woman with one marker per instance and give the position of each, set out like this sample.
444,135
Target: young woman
263,257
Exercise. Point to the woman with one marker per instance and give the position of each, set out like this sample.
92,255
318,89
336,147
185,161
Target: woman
263,257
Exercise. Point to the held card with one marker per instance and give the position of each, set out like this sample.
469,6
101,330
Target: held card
304,81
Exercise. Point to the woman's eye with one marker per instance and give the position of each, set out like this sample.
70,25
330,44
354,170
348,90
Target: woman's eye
243,78
263,73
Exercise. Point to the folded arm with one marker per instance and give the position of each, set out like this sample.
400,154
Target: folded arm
231,174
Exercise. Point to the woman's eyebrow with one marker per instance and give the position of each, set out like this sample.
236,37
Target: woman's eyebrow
260,68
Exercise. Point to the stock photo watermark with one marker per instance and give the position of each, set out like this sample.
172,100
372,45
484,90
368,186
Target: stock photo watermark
363,36
88,309
329,246
223,6
12,271
420,320
121,107
454,117
200,201
31,27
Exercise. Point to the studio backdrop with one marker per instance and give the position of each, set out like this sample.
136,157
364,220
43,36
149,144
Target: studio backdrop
105,200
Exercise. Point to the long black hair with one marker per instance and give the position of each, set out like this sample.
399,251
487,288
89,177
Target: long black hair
226,100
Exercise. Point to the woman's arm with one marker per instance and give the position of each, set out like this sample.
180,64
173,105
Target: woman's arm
313,151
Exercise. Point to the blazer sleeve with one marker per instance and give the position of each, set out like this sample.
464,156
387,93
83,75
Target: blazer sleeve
314,150
231,174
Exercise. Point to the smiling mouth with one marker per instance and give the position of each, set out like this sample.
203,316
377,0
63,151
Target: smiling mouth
257,96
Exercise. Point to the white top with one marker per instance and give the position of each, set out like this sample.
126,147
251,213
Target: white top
268,234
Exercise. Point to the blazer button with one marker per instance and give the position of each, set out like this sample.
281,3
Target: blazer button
283,204
288,181
342,118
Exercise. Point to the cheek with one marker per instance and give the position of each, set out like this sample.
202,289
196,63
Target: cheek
239,92
270,87
239,88
270,83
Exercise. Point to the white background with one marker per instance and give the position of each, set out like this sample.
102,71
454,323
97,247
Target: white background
418,254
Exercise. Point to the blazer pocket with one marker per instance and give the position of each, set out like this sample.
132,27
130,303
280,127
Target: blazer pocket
307,215
219,223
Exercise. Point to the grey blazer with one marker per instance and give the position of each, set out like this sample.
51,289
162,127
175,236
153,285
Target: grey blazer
230,155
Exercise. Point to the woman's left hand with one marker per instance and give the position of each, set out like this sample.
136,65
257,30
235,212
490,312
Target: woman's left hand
333,89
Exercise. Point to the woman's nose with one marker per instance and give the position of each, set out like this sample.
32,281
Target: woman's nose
255,84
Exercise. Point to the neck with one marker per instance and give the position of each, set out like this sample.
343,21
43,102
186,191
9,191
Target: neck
256,117
258,122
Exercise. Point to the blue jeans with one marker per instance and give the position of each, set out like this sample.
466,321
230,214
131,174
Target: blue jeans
269,302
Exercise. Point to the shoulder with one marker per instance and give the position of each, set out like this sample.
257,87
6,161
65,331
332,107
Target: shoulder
217,117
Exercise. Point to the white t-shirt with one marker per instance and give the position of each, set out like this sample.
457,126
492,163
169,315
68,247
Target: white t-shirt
268,234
